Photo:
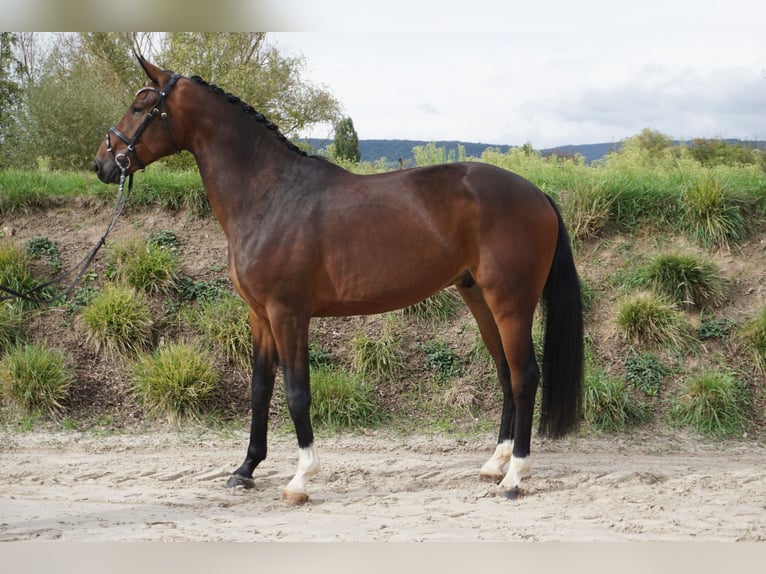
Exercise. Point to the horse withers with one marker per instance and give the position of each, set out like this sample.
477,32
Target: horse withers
307,238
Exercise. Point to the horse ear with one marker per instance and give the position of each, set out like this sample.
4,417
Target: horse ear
152,71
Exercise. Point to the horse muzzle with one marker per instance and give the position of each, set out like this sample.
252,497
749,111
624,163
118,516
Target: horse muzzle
107,171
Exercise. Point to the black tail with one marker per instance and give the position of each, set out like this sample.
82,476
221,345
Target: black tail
563,342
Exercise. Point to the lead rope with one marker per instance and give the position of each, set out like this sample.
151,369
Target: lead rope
119,206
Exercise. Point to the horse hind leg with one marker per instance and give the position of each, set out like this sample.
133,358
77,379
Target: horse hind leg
525,376
512,312
494,470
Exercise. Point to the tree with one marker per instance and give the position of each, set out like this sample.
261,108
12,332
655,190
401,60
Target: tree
346,141
10,70
82,84
244,64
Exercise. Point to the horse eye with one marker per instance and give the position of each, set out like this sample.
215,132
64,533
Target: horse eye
137,111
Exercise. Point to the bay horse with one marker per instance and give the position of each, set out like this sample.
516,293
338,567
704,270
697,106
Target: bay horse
307,238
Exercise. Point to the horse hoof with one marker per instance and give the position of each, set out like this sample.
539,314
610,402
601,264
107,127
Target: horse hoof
294,498
237,481
486,477
512,493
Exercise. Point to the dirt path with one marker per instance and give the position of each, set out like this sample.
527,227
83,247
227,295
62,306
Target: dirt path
168,486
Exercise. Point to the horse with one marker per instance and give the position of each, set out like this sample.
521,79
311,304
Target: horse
307,239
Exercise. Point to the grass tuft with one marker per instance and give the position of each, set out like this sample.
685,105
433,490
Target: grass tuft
713,403
608,404
586,210
176,381
15,271
145,265
380,358
224,323
342,400
646,319
118,320
438,308
687,280
10,326
712,217
35,378
753,336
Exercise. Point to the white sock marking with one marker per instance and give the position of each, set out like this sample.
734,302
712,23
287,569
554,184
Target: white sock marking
518,469
308,466
495,466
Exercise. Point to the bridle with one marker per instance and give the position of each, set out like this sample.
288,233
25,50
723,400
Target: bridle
123,159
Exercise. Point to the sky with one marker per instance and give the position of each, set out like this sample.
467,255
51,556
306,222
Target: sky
548,73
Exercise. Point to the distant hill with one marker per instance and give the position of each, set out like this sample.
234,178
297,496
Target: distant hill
393,150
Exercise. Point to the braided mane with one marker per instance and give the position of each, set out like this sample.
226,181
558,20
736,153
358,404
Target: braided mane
250,111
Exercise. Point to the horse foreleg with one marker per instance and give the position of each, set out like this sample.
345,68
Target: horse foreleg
264,371
291,334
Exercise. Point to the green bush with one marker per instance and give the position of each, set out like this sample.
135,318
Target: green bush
687,280
176,381
753,336
713,403
645,372
35,378
442,361
42,247
341,400
224,323
145,265
648,320
118,320
608,405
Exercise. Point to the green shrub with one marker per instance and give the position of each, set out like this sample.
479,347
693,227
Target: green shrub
319,358
35,378
713,403
686,280
645,372
646,319
145,265
712,217
342,400
118,320
224,323
753,336
42,247
189,289
442,361
715,329
608,405
381,358
176,381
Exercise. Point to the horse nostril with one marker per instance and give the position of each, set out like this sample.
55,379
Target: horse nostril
96,167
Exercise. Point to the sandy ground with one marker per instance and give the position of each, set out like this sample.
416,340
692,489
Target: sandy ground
168,486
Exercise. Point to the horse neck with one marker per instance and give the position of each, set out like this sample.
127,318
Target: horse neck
242,162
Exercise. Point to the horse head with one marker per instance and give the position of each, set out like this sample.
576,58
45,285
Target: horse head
137,139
